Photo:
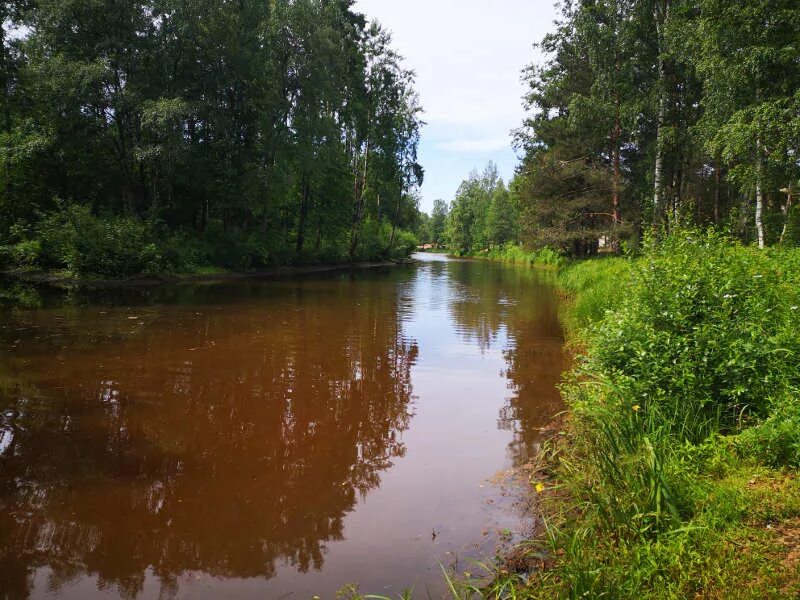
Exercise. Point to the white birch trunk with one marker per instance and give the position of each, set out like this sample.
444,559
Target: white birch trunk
787,210
658,176
759,197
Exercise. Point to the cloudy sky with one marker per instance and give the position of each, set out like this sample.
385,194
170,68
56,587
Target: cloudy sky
468,55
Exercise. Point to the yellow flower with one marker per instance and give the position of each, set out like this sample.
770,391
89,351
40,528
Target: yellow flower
539,488
636,408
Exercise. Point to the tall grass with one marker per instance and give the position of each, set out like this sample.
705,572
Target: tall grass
595,286
515,254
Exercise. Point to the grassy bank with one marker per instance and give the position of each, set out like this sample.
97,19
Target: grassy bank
515,254
676,473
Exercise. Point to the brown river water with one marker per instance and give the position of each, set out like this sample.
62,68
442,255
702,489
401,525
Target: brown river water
269,439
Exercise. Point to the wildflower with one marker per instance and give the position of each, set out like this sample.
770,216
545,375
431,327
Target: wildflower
636,408
539,488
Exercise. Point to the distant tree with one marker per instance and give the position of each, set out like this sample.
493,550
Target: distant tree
502,217
438,221
423,229
465,229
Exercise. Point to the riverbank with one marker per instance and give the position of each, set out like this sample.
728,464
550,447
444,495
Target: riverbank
675,471
207,275
514,254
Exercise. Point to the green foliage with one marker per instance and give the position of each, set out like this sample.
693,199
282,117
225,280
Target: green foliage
597,286
482,215
660,114
688,386
512,253
438,221
309,131
706,334
26,253
775,441
76,240
404,243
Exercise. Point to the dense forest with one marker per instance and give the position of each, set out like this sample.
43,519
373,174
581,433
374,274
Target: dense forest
651,114
165,135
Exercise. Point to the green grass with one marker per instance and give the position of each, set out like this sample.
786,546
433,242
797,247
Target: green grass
512,253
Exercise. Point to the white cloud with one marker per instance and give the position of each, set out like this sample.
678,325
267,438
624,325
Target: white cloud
468,55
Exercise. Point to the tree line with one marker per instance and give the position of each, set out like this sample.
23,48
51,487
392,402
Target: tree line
651,114
166,134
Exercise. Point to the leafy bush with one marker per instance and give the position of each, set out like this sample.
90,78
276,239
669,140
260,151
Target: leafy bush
26,253
514,253
695,339
687,394
239,250
776,441
374,241
706,334
75,239
405,243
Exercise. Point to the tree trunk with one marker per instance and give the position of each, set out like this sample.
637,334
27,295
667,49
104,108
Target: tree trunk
359,207
759,196
394,222
615,137
662,13
787,212
717,181
4,70
301,225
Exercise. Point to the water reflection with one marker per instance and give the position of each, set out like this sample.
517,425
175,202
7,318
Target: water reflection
514,307
265,437
218,439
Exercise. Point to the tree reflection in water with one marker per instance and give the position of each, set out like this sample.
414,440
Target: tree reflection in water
225,439
514,307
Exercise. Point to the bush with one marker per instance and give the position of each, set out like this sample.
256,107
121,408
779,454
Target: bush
706,334
405,242
513,253
75,239
26,253
694,341
776,441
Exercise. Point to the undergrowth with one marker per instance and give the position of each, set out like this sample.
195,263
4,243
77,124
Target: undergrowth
515,254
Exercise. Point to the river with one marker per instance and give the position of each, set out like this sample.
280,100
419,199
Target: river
269,438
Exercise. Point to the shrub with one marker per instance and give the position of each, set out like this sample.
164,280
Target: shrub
694,340
26,253
776,441
706,334
75,239
405,243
